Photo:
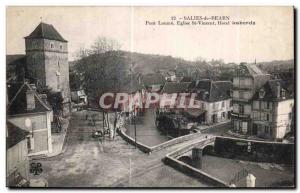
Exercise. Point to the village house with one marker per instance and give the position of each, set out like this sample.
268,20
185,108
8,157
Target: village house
29,111
247,80
152,82
214,100
169,75
170,89
272,111
17,164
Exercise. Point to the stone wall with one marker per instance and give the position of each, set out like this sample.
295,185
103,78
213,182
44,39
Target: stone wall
253,150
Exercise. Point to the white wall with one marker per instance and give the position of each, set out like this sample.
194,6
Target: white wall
282,117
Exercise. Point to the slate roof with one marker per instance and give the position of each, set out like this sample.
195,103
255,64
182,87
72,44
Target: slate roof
152,79
175,87
45,31
270,88
14,135
216,90
259,76
17,104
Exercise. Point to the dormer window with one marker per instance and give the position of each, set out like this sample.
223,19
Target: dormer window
262,94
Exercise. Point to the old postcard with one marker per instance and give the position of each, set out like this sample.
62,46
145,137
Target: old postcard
150,97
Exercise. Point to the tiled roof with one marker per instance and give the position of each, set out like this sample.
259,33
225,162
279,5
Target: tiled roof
17,104
253,69
14,135
175,87
46,31
270,88
211,91
259,76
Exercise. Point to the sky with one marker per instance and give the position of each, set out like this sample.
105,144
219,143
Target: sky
271,38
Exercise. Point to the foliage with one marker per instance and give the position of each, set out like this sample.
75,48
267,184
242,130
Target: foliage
54,99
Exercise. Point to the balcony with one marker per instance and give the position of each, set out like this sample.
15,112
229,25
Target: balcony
240,99
240,115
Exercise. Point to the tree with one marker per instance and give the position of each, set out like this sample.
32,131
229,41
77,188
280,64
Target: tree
54,99
103,44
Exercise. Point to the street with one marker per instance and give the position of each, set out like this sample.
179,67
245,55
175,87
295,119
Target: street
86,162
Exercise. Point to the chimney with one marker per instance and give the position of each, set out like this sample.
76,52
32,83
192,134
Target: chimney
30,99
278,90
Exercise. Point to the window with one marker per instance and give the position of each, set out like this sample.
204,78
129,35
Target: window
241,109
264,105
30,143
223,104
230,103
51,45
255,104
215,106
223,114
244,127
241,94
290,116
256,116
60,47
266,129
283,93
58,82
268,117
235,108
203,105
236,125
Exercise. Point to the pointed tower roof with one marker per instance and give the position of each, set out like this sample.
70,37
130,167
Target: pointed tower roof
46,31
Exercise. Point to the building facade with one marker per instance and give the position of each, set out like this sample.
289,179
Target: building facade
214,99
272,111
247,80
28,111
17,164
47,61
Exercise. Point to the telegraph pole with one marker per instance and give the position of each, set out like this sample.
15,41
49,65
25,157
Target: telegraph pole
134,122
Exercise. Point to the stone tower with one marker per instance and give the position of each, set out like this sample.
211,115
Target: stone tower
47,60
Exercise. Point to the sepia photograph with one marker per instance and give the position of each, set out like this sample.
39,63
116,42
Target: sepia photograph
150,97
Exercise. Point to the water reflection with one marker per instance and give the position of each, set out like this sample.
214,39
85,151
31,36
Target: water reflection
146,131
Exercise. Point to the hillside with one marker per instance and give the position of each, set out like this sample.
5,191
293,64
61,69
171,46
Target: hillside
277,65
146,63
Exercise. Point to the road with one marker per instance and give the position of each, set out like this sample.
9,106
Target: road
86,162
